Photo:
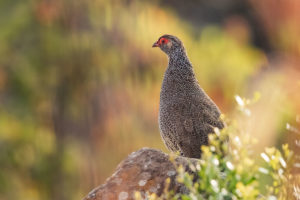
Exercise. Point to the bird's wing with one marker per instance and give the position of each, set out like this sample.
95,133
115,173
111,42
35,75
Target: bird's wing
206,109
212,117
192,126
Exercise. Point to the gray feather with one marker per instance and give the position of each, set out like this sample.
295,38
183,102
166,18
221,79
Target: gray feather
186,113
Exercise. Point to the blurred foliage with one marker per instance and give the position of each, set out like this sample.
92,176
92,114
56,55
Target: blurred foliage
228,169
79,84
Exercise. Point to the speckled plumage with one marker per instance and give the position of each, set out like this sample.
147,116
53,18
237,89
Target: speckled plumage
186,113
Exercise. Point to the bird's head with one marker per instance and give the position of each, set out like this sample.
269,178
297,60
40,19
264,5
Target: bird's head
169,44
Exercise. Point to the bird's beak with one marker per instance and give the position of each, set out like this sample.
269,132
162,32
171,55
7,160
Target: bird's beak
155,44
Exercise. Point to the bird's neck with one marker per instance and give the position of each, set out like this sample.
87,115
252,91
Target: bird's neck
178,55
178,61
179,72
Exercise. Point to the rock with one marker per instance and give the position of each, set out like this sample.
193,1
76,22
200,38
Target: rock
145,171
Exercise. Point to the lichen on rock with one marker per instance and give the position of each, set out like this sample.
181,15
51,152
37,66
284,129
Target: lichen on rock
132,176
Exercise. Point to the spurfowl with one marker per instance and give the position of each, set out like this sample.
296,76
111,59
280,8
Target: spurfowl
186,113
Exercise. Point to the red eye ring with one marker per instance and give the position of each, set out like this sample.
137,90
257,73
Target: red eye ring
163,41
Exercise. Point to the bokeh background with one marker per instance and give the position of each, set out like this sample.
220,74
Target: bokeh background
80,83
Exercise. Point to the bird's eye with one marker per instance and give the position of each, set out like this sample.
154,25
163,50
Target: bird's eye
163,41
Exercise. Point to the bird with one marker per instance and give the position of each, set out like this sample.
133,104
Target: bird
187,115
